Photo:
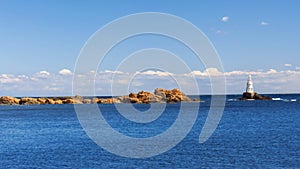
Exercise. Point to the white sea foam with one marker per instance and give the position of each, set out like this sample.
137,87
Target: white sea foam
277,99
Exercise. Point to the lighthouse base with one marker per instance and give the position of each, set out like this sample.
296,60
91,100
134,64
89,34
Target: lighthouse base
255,96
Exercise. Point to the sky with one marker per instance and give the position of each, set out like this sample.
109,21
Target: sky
41,40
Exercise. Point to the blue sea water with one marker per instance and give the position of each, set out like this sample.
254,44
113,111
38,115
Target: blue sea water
251,134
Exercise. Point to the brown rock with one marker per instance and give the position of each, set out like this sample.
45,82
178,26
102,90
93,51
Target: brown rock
255,96
261,97
174,98
132,95
124,99
95,100
71,101
78,97
109,101
28,101
144,97
9,100
50,101
159,95
247,95
160,92
58,102
42,100
86,101
134,100
176,95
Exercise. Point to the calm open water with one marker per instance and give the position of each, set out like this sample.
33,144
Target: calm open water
251,134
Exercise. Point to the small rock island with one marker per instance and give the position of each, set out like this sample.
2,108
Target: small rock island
159,96
250,94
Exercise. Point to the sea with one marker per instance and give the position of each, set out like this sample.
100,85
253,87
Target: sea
250,134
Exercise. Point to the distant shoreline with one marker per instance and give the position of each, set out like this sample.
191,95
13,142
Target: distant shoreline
144,98
109,96
159,96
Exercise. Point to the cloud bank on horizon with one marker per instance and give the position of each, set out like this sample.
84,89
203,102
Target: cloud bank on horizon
44,83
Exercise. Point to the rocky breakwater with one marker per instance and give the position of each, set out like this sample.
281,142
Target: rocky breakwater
159,96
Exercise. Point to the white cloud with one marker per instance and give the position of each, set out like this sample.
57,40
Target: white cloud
42,74
207,72
225,19
45,73
112,72
236,73
6,78
213,72
263,23
33,85
271,71
65,72
195,73
155,73
287,65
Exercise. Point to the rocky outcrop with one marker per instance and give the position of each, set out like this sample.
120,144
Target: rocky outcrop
9,100
143,97
50,101
124,99
176,95
42,100
109,101
53,101
254,96
86,101
159,95
28,100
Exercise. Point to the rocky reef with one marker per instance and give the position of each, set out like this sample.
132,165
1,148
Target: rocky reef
254,96
143,97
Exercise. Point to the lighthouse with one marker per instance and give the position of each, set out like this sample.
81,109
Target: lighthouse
249,88
250,94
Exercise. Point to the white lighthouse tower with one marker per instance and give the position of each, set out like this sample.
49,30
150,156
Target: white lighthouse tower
249,88
250,94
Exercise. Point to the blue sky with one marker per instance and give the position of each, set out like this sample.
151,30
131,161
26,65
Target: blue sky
250,36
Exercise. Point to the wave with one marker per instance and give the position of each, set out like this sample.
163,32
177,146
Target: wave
285,100
273,99
277,99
